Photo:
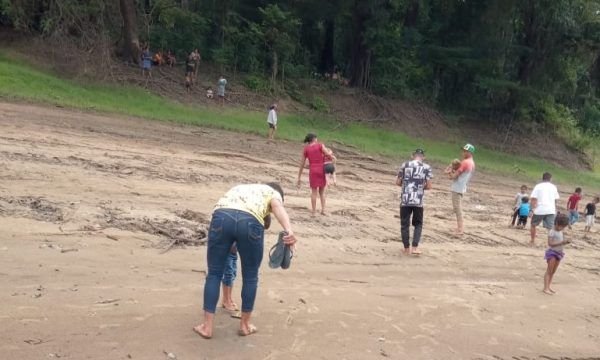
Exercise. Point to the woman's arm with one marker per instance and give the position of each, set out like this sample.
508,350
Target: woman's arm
302,163
282,217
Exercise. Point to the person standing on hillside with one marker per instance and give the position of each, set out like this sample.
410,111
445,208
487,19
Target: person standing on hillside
460,180
543,204
221,89
414,177
272,121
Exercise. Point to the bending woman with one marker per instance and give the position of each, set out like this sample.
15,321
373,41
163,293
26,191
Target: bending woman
239,218
315,152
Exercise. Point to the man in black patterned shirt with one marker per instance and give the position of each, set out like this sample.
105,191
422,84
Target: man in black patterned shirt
414,177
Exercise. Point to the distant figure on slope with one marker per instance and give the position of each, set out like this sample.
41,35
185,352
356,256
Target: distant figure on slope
146,58
329,164
221,89
590,214
543,203
314,152
523,212
461,178
272,121
573,206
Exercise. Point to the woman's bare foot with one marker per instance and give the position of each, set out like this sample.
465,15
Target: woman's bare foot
552,291
406,251
415,251
231,306
246,330
323,213
202,331
547,291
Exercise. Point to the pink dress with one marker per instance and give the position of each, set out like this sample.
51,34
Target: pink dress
316,173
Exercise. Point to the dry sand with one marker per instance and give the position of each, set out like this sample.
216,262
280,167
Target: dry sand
88,202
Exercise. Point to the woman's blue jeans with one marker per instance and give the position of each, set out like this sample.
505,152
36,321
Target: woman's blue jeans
230,271
229,226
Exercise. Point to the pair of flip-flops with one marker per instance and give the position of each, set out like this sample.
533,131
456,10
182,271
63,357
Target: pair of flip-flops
280,254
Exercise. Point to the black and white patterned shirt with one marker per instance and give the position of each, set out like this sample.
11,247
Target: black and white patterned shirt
414,175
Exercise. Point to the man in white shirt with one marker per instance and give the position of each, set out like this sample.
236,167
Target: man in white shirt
543,204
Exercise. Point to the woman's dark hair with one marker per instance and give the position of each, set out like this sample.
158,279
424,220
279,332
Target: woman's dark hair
275,186
524,199
561,220
309,138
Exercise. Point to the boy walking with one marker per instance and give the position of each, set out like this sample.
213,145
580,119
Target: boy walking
414,177
590,214
573,206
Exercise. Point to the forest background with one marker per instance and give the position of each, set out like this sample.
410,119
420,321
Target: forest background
531,65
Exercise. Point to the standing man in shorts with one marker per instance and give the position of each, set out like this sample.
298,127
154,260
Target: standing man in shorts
415,177
543,204
460,179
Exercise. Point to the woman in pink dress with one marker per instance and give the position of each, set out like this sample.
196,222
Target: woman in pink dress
314,151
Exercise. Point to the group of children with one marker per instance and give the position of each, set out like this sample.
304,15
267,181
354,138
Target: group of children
554,253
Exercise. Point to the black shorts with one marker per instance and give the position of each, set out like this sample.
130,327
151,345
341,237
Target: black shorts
271,126
329,168
522,220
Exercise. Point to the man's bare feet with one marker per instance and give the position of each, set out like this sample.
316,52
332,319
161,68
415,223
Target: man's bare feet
415,251
202,331
246,330
406,251
547,291
552,291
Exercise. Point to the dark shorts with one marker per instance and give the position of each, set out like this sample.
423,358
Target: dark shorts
329,168
271,126
547,219
522,220
550,253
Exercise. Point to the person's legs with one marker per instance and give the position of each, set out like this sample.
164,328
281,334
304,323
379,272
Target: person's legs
548,275
405,213
313,200
417,222
220,239
553,271
457,206
227,283
271,132
514,217
250,243
334,178
322,196
535,221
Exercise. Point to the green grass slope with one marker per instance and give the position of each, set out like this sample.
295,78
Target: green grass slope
19,81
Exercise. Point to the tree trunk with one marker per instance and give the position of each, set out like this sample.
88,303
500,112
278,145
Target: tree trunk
526,60
327,59
274,69
360,61
130,41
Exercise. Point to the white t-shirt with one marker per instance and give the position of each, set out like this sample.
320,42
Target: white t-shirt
546,195
272,119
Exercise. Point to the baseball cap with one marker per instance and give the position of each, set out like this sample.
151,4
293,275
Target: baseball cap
470,148
419,151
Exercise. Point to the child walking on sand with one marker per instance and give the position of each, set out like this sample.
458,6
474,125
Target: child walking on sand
554,253
590,214
573,206
523,212
518,202
329,166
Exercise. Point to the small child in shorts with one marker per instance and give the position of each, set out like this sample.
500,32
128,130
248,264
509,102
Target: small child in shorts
329,167
209,93
453,167
590,214
188,83
554,253
523,212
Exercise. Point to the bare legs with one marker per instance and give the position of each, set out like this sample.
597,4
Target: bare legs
313,200
228,303
552,266
532,232
272,133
